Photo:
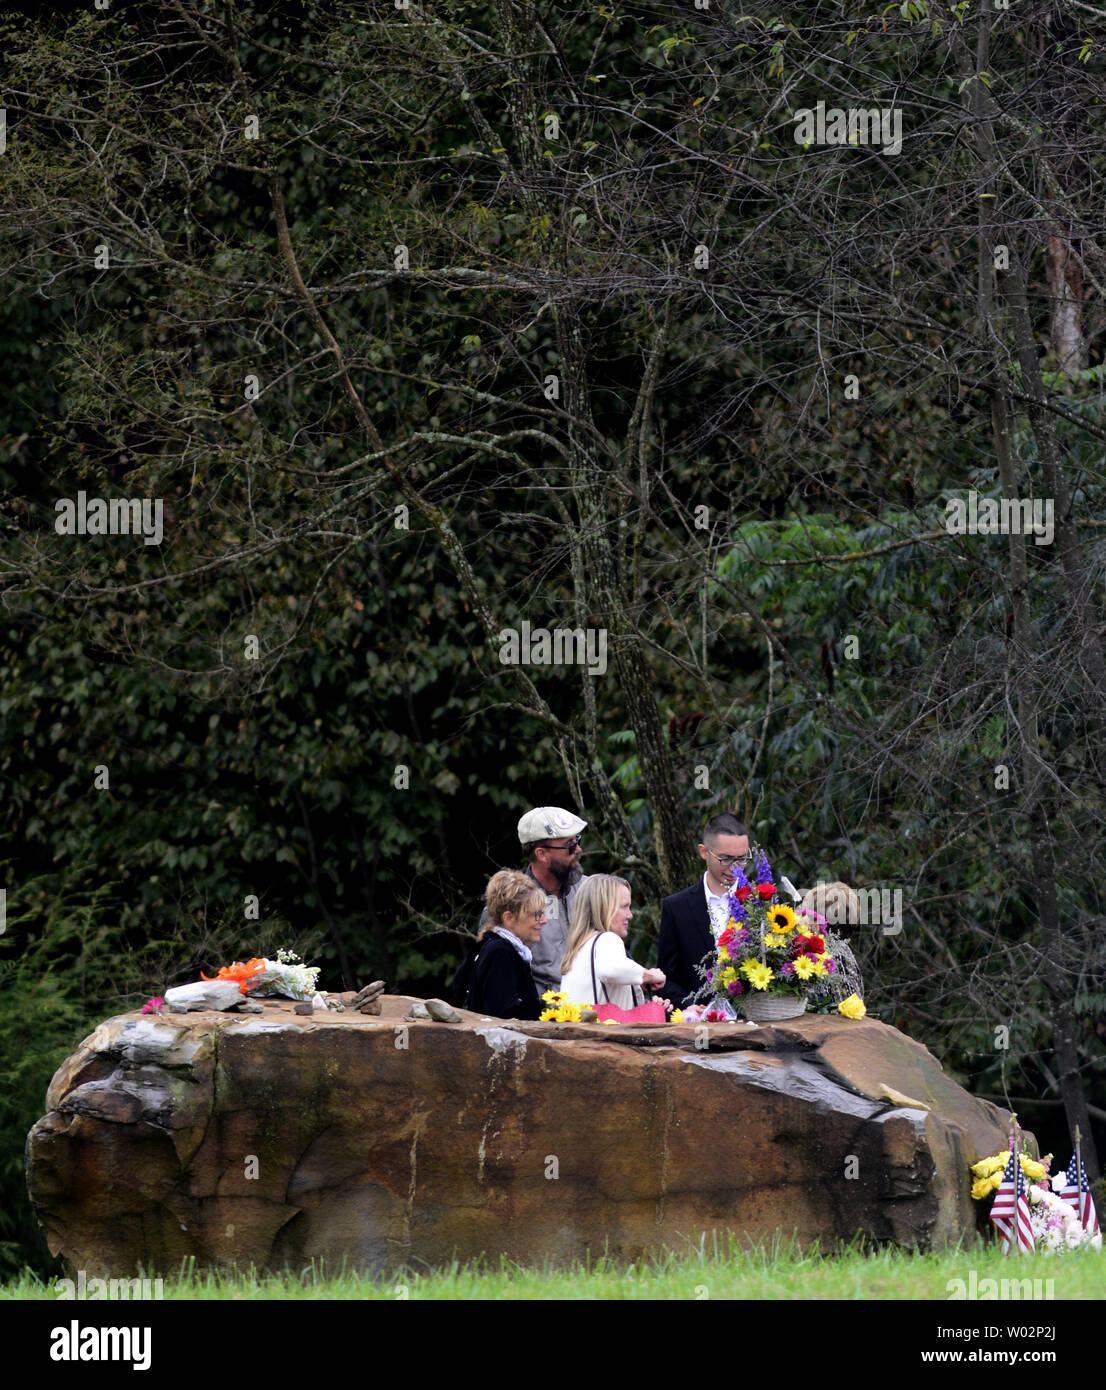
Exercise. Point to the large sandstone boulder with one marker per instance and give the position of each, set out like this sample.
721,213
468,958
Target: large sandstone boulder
277,1139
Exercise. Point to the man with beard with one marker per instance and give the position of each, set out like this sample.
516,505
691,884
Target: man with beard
551,838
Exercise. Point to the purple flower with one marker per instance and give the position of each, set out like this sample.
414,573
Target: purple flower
764,873
741,936
787,969
734,987
831,966
154,1005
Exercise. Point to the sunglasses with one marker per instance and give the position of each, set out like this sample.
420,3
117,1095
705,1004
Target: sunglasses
570,847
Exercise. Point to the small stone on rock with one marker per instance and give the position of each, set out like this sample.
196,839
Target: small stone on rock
307,1008
418,1010
442,1012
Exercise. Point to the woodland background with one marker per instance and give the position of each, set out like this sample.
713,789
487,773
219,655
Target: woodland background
458,281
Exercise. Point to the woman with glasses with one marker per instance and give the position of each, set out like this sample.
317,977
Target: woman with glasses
596,968
501,983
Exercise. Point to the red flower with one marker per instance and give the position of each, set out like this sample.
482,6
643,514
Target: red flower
766,890
809,946
743,893
726,937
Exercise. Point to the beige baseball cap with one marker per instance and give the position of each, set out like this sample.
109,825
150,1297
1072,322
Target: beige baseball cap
548,823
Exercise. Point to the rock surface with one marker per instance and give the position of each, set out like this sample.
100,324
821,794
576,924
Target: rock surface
277,1139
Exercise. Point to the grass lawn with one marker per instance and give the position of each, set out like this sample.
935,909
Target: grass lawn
716,1271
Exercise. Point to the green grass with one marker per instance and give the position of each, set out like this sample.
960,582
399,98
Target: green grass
717,1271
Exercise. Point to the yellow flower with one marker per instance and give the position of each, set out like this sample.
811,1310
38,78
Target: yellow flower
615,1021
563,1010
727,976
853,1007
772,940
804,968
781,919
1032,1169
981,1188
723,953
820,967
677,1016
747,965
986,1166
758,975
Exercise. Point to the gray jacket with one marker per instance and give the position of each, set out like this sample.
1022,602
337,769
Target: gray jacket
546,966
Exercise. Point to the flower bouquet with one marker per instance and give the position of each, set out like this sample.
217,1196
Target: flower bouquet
560,1009
767,955
287,976
1055,1222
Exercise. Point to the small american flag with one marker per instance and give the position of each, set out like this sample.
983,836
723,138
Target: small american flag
1010,1210
1077,1194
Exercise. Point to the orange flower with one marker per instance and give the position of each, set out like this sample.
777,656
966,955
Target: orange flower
242,973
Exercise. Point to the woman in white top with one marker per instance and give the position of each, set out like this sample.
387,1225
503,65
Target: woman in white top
595,960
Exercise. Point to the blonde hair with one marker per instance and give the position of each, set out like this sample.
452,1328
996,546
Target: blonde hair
593,910
837,903
510,890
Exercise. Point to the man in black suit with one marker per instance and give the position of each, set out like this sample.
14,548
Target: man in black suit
692,921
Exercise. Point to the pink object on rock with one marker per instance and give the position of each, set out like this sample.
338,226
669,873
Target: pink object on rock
644,1013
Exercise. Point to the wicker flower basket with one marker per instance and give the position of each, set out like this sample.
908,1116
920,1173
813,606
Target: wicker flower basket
773,1008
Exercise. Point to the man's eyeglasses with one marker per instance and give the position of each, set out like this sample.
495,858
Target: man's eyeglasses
571,846
729,860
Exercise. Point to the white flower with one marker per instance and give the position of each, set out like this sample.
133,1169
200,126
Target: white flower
1058,1181
282,976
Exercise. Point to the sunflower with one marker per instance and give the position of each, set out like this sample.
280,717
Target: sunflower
781,919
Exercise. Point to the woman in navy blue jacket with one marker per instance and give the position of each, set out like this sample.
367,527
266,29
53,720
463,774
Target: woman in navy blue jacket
501,983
